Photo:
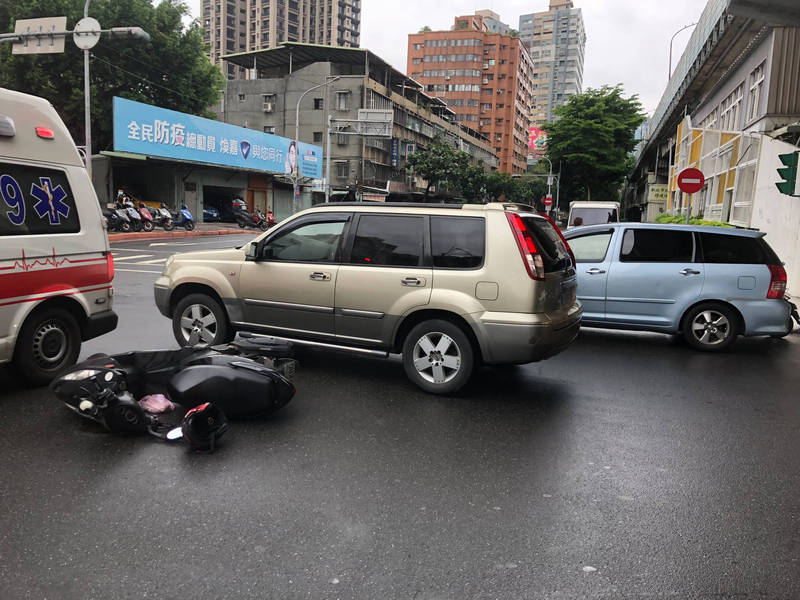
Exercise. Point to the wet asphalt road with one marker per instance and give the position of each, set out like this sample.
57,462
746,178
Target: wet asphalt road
670,473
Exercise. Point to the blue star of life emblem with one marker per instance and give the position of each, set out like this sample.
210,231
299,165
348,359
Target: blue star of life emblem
50,201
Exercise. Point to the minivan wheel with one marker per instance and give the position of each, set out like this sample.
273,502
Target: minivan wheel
199,319
49,341
710,327
438,356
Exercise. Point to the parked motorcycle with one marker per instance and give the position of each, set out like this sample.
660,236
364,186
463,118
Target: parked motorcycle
117,219
163,218
147,217
183,218
256,220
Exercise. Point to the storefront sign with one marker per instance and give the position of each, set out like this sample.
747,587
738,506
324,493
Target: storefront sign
145,129
395,152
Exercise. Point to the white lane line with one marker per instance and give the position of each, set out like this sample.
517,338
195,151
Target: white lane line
136,271
156,261
132,257
175,243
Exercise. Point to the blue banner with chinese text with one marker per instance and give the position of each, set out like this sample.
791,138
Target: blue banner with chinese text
145,129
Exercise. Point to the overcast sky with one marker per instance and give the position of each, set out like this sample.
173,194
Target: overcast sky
627,40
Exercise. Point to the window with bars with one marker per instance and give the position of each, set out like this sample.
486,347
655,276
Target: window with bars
756,90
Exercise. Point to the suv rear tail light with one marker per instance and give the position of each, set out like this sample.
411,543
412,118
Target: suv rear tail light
527,247
777,281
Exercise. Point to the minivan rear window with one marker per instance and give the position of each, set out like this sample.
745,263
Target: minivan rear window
554,252
736,249
458,242
36,201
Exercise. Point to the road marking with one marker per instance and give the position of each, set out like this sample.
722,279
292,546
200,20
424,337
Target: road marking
136,271
132,257
156,261
176,243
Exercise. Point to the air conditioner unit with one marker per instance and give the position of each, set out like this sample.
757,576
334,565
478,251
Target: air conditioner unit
485,81
267,106
486,66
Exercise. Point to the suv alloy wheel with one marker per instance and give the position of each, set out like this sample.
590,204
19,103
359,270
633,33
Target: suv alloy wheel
438,356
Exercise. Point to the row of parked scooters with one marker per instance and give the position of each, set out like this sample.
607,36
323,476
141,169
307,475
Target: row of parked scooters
127,216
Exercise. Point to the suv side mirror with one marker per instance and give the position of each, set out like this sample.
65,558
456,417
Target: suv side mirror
253,251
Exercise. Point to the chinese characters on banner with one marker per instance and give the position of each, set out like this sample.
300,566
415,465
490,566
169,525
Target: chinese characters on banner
145,129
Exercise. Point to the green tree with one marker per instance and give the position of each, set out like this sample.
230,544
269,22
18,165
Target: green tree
437,162
593,139
513,33
424,29
172,70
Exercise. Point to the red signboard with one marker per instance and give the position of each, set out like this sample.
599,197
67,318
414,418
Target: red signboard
691,180
548,201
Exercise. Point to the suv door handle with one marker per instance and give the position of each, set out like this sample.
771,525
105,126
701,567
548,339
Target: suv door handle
595,271
412,281
317,276
689,272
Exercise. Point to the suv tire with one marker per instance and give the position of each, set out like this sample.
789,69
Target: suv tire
438,356
199,319
48,341
710,327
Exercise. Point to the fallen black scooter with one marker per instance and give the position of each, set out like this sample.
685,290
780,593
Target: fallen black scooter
249,377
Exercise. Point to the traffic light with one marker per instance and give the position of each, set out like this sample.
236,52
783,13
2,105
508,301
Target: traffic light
789,173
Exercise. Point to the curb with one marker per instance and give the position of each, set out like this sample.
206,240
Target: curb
161,235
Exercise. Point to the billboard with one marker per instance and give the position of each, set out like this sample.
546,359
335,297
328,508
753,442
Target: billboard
145,129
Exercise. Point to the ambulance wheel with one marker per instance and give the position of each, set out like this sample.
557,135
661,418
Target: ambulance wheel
49,341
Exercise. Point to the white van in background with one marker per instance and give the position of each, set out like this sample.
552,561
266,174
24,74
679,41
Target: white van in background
55,262
592,213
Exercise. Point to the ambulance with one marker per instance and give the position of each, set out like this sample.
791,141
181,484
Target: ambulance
56,266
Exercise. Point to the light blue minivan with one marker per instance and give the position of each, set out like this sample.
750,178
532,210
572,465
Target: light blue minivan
708,283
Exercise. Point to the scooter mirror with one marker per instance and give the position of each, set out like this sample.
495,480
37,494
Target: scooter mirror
175,434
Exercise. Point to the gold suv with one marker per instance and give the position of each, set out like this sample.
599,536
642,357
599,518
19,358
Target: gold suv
448,286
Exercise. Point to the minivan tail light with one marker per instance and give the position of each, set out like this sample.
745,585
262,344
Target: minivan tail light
45,133
527,247
110,266
777,281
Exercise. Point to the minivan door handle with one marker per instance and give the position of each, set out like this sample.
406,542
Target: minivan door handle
689,272
412,281
317,276
595,271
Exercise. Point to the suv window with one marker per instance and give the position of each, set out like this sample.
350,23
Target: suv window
591,248
656,245
458,242
35,201
734,249
310,242
388,240
554,252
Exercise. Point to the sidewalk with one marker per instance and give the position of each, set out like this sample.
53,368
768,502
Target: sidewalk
201,229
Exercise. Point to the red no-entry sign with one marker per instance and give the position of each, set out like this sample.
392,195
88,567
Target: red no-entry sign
690,180
548,201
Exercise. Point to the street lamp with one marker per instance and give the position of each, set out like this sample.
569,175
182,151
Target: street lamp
295,171
669,72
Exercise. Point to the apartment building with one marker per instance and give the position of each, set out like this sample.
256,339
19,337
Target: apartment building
556,41
234,26
484,77
365,168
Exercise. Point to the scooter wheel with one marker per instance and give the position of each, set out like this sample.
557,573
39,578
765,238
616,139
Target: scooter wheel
188,225
148,226
125,227
168,225
263,226
242,223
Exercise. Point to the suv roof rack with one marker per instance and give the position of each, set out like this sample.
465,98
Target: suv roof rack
400,204
515,206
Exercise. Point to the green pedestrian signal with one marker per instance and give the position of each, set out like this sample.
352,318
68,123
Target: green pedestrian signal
789,173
